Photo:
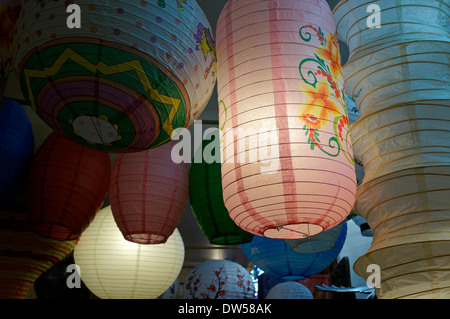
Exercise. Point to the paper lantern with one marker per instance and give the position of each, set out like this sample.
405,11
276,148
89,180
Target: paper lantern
318,243
218,279
287,162
115,268
395,74
148,194
289,290
206,198
9,14
132,73
66,187
173,291
25,255
16,148
277,259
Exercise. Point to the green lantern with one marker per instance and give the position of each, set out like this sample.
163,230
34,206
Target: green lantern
205,194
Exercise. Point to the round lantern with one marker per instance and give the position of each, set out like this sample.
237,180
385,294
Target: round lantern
289,290
9,14
173,291
206,198
122,80
16,148
277,259
287,162
396,75
66,187
114,268
25,255
318,243
219,279
148,194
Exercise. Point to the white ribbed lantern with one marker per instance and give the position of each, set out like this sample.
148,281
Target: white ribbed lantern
398,76
115,268
289,290
287,162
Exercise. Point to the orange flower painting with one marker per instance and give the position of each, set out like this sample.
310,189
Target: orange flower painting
319,106
330,53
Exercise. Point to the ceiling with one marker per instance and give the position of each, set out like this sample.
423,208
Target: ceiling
197,247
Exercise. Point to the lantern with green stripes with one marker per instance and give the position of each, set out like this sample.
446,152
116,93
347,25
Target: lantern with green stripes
126,79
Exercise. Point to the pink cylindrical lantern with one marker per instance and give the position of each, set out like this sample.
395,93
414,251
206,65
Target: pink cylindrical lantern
148,194
287,161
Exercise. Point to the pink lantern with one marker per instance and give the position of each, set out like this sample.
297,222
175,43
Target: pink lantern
148,194
287,161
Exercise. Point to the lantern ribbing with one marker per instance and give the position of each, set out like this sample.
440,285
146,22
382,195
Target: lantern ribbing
287,161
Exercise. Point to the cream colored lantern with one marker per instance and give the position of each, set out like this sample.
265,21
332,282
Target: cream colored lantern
398,76
115,268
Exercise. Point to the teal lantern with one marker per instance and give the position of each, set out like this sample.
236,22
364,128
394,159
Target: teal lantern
205,194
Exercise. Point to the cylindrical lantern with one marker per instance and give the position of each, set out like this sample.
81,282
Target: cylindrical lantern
289,290
114,268
123,78
318,243
218,279
206,198
396,75
287,161
66,187
148,194
277,259
16,148
9,15
25,255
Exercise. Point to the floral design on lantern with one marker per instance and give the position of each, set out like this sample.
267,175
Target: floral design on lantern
326,101
205,43
281,176
219,279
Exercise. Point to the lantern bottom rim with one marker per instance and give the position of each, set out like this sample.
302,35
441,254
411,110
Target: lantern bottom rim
293,231
55,231
231,239
146,238
293,277
314,246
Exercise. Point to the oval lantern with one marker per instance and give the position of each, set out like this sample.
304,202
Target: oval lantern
218,279
148,194
66,187
16,148
9,15
206,199
287,162
398,76
114,268
134,71
277,259
25,255
289,290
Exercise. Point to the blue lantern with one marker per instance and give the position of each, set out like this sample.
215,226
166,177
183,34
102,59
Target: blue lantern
276,258
16,148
